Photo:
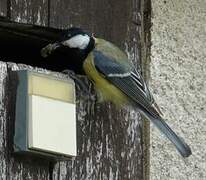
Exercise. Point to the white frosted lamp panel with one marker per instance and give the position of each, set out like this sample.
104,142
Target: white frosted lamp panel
52,125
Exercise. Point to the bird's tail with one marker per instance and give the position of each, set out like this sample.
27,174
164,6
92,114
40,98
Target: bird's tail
179,143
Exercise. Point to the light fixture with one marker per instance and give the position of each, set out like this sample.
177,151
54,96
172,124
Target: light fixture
45,120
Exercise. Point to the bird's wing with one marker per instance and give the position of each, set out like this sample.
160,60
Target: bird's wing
127,79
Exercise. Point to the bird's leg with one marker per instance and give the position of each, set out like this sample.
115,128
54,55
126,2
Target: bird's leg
80,85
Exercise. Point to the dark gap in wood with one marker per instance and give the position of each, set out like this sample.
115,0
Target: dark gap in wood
8,13
51,168
11,88
22,43
145,56
48,13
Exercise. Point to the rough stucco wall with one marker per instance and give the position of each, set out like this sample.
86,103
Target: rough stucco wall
178,75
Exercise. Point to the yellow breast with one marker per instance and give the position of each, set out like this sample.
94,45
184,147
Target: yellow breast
106,90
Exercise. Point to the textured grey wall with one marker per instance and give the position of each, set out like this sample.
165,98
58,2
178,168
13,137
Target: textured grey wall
178,81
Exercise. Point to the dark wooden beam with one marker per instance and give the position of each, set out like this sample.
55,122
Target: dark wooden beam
3,7
110,139
111,145
11,166
22,43
29,11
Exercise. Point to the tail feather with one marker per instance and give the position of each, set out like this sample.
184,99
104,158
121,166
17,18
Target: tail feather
179,143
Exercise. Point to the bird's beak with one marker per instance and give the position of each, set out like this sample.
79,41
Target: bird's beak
95,39
93,35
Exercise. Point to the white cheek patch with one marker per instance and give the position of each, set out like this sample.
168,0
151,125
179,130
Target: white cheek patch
78,41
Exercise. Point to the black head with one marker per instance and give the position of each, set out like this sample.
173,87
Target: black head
78,39
71,32
74,47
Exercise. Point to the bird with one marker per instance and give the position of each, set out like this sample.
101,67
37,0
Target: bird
114,77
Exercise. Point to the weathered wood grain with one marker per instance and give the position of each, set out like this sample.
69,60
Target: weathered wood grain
110,142
11,166
110,139
109,19
145,55
18,167
3,7
29,11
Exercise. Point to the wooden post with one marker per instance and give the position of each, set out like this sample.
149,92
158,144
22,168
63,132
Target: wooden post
3,7
110,140
12,167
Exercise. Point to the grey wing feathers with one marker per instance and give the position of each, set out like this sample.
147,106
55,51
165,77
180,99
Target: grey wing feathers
125,78
132,84
179,143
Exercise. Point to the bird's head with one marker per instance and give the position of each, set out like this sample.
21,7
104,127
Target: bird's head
76,38
74,45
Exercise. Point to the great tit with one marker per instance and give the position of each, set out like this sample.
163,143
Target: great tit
114,77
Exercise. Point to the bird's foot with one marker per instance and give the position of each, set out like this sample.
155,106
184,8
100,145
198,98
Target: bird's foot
80,86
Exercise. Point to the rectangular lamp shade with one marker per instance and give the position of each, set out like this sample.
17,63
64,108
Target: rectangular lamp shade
45,115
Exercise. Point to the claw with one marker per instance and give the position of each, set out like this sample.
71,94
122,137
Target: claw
80,85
